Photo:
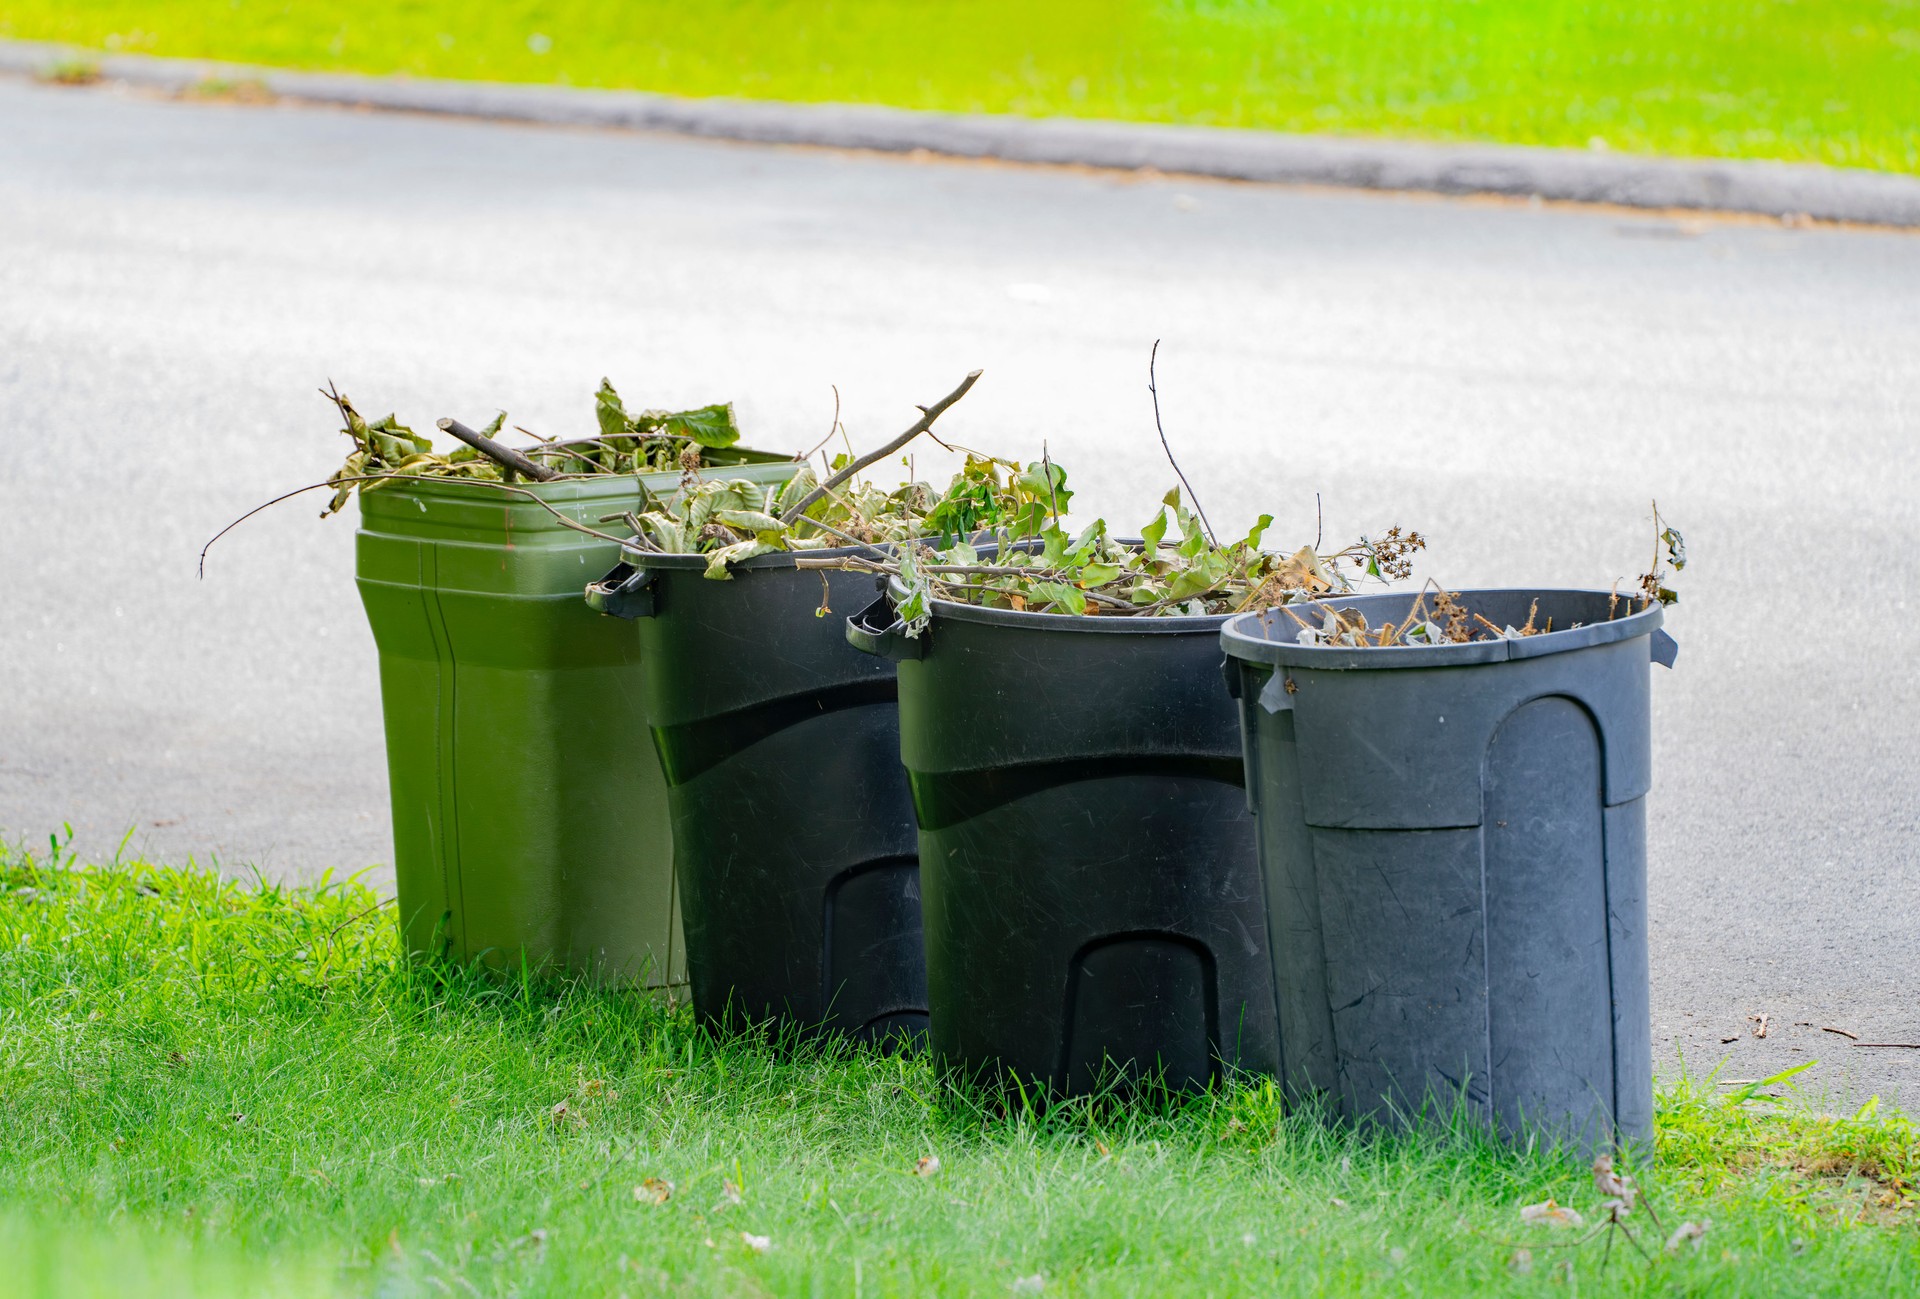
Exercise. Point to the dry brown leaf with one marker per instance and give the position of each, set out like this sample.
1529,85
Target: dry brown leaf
592,1087
655,1190
729,1195
1548,1214
926,1166
1688,1231
1521,1262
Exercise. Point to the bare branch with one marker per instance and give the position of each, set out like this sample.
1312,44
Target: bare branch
921,425
1152,387
504,456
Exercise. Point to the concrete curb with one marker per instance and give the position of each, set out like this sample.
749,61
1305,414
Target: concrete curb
1767,188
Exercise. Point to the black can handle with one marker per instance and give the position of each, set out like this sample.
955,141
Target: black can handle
626,592
877,630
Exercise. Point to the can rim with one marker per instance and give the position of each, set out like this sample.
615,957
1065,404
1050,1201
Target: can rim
1242,636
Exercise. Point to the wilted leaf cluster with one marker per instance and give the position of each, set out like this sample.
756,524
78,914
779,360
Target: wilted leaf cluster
652,441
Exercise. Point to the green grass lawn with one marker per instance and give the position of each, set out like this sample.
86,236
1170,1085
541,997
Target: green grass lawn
213,1088
1833,81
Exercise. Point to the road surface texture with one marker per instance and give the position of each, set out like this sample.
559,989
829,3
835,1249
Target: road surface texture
176,279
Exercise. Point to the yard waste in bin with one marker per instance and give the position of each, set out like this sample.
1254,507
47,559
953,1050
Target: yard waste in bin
529,812
1454,841
1089,877
792,822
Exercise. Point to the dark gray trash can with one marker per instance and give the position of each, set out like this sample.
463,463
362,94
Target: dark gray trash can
1454,844
1091,886
793,834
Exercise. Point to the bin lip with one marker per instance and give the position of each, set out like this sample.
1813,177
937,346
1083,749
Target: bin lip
568,485
682,559
1117,624
1241,637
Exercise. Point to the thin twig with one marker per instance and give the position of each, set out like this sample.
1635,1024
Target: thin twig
928,414
406,478
1152,387
831,428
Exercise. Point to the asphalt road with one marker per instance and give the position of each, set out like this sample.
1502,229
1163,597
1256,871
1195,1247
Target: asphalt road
1516,382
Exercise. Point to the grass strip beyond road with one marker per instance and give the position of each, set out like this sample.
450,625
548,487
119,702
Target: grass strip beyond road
1833,82
219,1088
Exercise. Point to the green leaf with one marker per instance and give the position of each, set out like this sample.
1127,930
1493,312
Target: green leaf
1071,598
710,426
1745,1094
718,560
795,490
1154,532
492,430
1053,547
608,410
1259,531
1098,574
753,521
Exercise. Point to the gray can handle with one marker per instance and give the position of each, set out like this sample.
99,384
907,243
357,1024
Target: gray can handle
1664,649
625,592
877,630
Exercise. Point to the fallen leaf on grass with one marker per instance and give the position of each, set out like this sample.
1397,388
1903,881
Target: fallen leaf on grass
655,1190
1548,1214
1029,1284
758,1244
1521,1262
729,1195
592,1087
564,1115
1337,1202
926,1166
1759,1023
1615,1186
1689,1231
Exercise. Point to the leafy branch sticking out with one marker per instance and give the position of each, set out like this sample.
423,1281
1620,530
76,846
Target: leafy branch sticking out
731,521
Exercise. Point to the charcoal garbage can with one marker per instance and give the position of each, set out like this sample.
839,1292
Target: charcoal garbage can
1454,842
1089,876
529,812
793,826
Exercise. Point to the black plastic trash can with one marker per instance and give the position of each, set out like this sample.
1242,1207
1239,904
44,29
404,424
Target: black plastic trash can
793,836
1454,842
1090,881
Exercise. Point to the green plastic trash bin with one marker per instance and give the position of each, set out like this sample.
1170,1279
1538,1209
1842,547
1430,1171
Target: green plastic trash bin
529,811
